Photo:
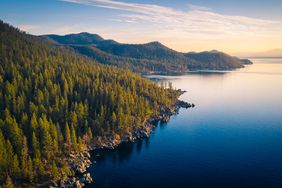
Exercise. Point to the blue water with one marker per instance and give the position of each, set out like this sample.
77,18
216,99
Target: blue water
232,138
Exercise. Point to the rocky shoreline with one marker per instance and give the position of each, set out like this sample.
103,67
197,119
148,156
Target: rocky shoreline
79,162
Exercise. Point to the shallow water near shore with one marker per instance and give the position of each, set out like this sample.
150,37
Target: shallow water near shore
232,138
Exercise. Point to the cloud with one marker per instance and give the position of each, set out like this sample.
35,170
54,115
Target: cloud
196,20
196,7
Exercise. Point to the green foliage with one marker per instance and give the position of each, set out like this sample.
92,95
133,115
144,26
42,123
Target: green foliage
54,101
54,171
8,183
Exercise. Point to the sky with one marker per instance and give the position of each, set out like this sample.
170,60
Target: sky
184,25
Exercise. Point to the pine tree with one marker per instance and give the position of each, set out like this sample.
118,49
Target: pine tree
15,168
33,122
54,171
114,119
30,170
3,155
67,136
9,157
73,137
35,146
24,156
38,168
8,183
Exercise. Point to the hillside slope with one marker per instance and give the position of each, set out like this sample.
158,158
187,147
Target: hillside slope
216,60
150,57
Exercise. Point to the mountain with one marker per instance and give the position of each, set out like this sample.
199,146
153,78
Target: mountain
218,60
275,53
56,103
145,58
81,38
134,64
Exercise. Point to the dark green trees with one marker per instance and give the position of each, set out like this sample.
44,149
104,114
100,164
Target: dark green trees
54,101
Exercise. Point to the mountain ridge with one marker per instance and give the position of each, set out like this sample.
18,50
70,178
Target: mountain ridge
151,57
273,53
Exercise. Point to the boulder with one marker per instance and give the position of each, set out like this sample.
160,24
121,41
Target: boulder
77,184
86,178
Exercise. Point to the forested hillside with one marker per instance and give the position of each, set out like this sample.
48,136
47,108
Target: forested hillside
216,60
135,64
54,101
151,57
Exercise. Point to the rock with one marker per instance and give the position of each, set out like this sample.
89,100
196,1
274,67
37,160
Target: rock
77,184
67,182
72,155
51,184
61,182
87,154
81,168
87,178
183,104
73,179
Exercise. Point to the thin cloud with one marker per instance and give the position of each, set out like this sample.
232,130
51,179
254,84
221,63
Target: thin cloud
196,19
196,7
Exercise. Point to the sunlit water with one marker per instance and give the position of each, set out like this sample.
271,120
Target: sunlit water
232,138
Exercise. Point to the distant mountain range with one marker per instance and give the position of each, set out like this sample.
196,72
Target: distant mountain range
151,57
274,53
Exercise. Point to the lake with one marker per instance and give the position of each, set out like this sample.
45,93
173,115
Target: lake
232,138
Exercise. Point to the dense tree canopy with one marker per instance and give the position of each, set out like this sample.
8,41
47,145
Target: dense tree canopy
54,101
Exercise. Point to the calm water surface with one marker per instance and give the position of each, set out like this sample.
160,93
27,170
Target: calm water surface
232,138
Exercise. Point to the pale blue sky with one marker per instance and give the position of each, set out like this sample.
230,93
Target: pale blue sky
184,25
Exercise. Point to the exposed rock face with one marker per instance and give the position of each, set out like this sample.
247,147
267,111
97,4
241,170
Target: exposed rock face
80,161
74,182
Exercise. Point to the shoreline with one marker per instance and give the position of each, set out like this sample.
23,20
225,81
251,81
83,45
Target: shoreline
80,161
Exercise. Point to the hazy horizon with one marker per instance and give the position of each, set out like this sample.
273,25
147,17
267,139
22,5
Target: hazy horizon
233,27
277,53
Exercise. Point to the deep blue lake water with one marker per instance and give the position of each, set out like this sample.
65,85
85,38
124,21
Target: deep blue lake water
232,138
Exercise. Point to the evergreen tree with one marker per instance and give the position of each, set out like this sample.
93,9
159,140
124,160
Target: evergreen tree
54,171
35,146
67,136
30,170
15,168
8,183
73,137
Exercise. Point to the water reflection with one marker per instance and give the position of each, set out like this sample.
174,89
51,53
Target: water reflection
123,152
